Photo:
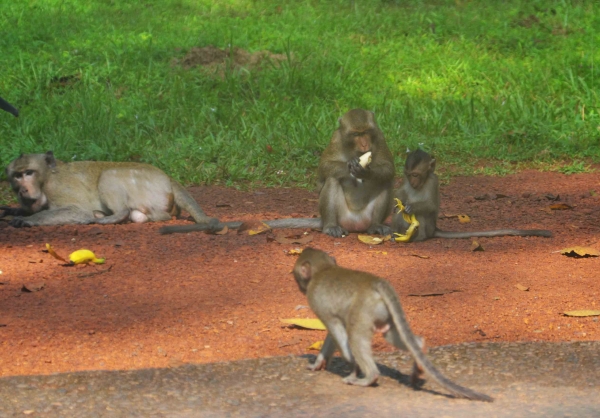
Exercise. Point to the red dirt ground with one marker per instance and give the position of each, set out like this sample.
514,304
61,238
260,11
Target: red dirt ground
196,298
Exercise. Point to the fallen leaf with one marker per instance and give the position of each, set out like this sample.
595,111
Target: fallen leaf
223,205
316,346
521,287
593,193
253,227
580,252
53,253
434,293
550,196
560,206
294,251
419,255
475,246
222,231
464,219
33,287
370,240
378,252
585,312
293,239
305,323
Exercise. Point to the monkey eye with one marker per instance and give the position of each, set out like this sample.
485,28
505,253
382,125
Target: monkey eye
29,172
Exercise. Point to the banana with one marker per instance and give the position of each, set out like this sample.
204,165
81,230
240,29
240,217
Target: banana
84,257
411,219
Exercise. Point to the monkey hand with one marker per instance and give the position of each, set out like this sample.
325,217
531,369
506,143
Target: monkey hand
20,223
408,209
356,169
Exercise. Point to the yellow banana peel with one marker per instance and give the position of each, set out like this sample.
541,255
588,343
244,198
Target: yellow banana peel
84,257
411,219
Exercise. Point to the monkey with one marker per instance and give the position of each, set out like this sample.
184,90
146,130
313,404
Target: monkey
51,192
4,105
353,305
353,198
420,193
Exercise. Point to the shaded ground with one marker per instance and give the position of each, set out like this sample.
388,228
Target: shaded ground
526,380
198,298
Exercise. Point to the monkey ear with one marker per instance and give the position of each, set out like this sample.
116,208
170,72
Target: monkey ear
305,270
50,160
432,164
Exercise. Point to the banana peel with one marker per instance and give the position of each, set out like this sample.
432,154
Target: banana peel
411,219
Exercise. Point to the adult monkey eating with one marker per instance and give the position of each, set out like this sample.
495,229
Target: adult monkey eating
54,193
351,197
420,194
353,305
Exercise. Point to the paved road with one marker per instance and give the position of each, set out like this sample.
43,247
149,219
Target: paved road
526,380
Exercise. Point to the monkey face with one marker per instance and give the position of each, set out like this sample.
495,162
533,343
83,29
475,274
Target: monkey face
358,142
417,176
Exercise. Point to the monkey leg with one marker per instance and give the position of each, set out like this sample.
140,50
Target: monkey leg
115,218
393,337
360,345
324,355
331,204
59,216
381,210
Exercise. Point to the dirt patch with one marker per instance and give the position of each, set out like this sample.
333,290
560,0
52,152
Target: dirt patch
216,60
197,298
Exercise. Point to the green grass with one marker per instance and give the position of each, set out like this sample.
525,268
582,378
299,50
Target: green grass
511,81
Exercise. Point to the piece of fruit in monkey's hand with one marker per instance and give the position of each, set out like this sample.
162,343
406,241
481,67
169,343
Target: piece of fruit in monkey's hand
365,159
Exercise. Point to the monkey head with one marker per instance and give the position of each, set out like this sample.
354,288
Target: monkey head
27,175
310,262
359,131
417,168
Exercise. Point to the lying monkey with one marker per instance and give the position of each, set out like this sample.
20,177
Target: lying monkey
4,105
353,305
83,192
352,197
420,193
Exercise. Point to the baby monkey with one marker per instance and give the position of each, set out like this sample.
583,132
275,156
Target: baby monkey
353,305
420,194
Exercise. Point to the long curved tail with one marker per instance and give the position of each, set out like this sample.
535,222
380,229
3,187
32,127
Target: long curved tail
4,105
493,233
391,300
314,223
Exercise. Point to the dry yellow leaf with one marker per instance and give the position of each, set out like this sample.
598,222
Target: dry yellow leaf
294,251
560,206
370,240
585,312
253,227
222,231
580,252
476,246
316,346
305,323
521,287
464,219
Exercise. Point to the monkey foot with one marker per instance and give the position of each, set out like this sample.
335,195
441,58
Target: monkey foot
335,231
354,380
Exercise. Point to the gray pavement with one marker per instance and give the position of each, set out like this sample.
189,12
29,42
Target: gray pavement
526,380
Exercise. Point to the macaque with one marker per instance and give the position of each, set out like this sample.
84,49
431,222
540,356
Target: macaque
353,198
353,305
420,193
4,105
51,192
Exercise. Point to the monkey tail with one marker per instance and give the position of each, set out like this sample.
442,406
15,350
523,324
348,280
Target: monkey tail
314,223
494,233
4,105
184,200
393,304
